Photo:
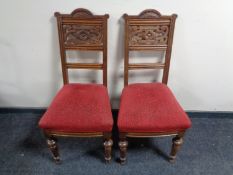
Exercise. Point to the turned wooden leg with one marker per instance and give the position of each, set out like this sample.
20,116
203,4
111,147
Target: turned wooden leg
108,150
123,143
52,144
176,145
108,147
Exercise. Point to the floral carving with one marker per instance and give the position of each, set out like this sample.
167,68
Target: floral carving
148,35
76,35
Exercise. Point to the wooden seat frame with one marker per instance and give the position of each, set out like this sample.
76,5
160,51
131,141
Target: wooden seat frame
81,30
149,31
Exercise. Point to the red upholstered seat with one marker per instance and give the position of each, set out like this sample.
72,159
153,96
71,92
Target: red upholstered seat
79,108
150,107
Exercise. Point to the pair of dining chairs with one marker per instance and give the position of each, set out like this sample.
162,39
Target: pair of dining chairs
146,109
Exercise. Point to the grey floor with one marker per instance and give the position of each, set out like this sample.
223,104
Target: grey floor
207,150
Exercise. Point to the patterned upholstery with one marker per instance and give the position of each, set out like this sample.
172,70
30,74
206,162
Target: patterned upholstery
150,107
79,108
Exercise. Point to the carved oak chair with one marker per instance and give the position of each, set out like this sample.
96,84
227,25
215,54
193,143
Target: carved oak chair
80,110
150,109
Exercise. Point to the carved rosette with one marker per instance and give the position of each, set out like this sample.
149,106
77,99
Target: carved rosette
148,35
78,35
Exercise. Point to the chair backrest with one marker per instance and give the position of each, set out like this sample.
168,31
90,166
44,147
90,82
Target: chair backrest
81,30
148,31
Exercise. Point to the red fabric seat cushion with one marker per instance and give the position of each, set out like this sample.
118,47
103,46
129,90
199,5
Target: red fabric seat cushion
150,107
79,108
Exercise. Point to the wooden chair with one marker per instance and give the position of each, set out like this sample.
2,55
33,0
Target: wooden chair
150,109
80,110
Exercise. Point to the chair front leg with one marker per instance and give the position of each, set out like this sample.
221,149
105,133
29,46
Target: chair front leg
177,141
123,144
107,147
52,144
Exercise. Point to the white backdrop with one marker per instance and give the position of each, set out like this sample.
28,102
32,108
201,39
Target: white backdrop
201,74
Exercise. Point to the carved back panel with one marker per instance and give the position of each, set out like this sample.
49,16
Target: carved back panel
149,31
81,30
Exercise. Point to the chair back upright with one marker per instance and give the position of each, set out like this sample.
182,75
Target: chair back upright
81,30
148,31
